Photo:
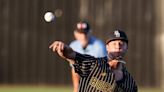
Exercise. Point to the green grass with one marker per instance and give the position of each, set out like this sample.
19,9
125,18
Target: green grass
150,90
34,89
53,89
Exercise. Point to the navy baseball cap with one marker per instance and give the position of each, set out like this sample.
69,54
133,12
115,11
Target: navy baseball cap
117,35
83,27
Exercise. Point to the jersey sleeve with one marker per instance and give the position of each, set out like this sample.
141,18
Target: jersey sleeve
127,84
84,64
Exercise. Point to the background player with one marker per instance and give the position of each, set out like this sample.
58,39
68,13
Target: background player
85,43
101,74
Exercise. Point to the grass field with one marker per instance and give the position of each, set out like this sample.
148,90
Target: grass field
53,89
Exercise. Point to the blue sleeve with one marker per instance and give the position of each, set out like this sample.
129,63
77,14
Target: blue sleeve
71,44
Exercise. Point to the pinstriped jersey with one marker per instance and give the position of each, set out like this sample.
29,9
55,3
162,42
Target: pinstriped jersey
127,84
97,76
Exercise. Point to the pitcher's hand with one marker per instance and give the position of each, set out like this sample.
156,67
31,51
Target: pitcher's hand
58,47
62,50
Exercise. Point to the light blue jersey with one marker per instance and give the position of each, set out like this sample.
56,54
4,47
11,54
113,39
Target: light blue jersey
95,47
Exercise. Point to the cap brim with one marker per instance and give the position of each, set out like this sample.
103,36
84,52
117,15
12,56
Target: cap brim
113,39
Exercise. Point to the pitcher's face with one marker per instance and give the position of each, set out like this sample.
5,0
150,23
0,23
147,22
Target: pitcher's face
117,48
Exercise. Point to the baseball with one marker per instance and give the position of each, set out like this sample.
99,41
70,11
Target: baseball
49,17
